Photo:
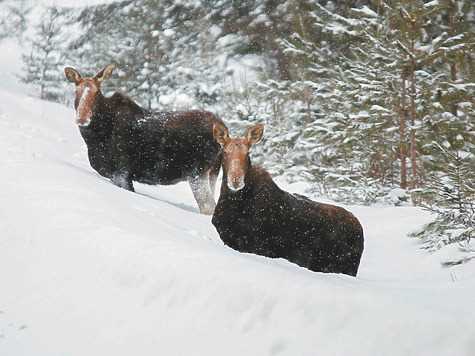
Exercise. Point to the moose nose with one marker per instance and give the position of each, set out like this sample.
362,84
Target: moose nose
235,175
236,183
83,121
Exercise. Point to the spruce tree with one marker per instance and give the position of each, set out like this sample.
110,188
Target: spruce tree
452,200
13,18
43,62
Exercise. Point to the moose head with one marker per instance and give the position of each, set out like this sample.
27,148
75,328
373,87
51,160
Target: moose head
236,161
87,90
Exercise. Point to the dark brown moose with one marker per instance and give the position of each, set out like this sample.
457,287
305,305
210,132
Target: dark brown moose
254,215
126,142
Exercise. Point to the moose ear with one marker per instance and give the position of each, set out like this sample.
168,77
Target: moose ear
105,73
220,133
72,75
254,133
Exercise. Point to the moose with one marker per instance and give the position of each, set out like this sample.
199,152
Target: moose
254,215
127,143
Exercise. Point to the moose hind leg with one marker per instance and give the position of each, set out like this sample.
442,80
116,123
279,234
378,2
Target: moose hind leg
214,172
201,190
213,177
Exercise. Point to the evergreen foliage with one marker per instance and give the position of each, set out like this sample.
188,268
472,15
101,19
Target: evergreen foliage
164,51
13,18
452,195
43,64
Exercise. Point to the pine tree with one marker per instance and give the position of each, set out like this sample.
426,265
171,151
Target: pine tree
452,196
377,78
13,18
43,63
351,76
160,48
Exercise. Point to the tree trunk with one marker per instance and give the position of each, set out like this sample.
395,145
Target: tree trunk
453,65
413,115
402,135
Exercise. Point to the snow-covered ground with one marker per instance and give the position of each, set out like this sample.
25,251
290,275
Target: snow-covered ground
87,268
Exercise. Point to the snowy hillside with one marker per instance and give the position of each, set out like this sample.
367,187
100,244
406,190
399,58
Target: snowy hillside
87,268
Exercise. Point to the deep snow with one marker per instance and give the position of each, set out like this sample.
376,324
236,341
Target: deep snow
87,268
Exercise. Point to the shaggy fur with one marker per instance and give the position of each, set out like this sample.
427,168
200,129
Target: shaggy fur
127,143
263,219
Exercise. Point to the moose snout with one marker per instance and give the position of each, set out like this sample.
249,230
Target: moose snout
237,183
235,174
83,123
83,117
236,180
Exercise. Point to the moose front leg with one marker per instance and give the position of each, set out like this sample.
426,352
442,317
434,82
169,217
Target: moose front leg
122,179
121,173
202,193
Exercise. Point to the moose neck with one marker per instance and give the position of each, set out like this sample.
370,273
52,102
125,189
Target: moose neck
100,126
100,106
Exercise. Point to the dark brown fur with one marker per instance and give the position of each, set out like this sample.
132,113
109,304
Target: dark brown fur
126,143
263,219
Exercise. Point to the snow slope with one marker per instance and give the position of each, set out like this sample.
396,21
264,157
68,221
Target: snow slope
87,268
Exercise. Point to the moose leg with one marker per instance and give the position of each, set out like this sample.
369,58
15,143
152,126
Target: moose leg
213,177
200,188
121,176
214,172
122,179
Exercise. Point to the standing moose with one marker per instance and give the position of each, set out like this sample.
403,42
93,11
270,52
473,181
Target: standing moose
254,215
126,142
